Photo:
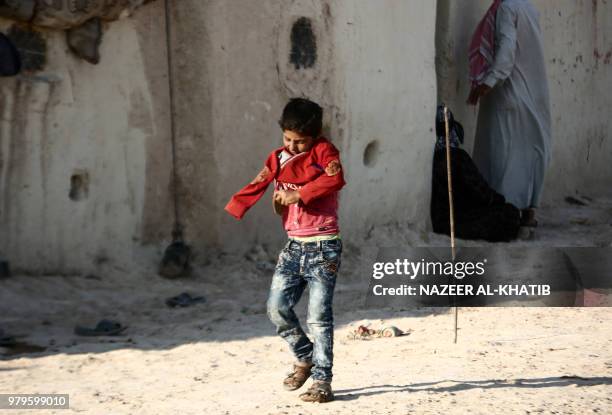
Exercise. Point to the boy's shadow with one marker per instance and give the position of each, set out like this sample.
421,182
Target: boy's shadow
351,394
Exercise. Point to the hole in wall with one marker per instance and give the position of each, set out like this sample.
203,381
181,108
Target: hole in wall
303,44
370,154
79,185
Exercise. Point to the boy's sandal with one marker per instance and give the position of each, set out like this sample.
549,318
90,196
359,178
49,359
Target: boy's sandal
319,391
298,377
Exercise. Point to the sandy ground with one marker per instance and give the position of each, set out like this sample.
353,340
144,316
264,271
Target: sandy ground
222,357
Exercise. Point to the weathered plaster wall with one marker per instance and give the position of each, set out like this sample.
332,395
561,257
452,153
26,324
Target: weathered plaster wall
366,77
107,120
374,74
578,47
388,95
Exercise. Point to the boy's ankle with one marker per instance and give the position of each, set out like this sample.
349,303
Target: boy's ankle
306,363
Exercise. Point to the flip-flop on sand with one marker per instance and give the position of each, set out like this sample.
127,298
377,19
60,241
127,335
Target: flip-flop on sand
103,328
183,300
365,333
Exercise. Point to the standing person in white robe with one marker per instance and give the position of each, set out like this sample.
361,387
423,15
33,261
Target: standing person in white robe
512,148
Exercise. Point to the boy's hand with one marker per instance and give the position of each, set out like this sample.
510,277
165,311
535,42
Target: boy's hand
279,209
286,198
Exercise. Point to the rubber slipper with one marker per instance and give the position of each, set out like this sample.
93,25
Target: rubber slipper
392,331
103,328
184,300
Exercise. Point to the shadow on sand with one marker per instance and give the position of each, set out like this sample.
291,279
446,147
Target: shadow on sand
458,386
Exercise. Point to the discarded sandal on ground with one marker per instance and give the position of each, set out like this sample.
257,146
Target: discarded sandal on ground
365,333
184,300
298,377
103,328
392,331
319,391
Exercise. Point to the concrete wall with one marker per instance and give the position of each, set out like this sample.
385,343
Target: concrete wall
389,91
108,121
233,85
374,75
578,47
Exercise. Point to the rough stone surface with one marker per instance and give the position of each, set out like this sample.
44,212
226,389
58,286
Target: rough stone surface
84,41
22,10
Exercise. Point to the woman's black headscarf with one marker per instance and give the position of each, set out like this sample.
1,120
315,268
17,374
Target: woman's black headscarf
455,129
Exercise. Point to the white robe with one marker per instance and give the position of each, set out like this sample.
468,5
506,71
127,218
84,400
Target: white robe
512,148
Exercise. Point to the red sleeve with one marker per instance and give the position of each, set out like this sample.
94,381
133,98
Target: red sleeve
242,201
330,181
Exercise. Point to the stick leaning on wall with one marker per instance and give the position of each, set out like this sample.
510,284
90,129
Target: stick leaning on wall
450,206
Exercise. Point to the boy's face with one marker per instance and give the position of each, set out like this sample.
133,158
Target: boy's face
295,143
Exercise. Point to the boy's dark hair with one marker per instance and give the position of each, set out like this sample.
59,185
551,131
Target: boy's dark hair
302,116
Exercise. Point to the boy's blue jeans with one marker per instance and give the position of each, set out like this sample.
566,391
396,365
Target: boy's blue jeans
312,264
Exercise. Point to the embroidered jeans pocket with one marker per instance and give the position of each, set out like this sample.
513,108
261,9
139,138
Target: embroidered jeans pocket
330,259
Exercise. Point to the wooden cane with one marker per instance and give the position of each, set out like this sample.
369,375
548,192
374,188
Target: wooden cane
450,205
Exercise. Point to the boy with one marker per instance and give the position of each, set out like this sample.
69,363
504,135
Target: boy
307,176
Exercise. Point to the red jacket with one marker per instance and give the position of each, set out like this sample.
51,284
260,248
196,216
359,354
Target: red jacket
316,174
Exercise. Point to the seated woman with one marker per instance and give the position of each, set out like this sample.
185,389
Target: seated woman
480,212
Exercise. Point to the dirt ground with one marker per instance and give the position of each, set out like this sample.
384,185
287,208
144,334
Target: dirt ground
222,357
